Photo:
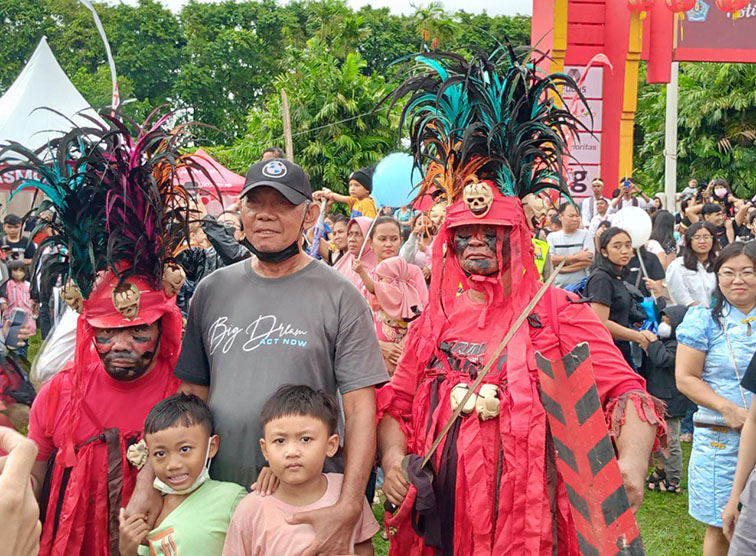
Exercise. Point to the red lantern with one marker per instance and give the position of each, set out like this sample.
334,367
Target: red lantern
731,6
680,6
638,6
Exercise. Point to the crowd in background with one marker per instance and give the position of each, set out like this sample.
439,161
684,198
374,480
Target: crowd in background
680,308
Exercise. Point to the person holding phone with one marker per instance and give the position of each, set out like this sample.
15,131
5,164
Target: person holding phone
17,306
630,196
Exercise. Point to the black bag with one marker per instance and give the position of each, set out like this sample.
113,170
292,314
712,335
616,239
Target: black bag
637,313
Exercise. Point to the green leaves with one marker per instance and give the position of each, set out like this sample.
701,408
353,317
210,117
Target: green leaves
716,127
334,125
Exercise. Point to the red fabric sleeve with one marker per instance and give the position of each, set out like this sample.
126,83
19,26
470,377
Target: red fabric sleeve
37,420
579,323
395,398
616,382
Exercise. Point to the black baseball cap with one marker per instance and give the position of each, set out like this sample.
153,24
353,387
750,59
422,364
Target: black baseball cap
286,177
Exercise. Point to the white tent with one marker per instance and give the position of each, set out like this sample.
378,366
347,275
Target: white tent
42,83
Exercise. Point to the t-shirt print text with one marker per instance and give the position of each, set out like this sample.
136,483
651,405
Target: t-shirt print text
265,330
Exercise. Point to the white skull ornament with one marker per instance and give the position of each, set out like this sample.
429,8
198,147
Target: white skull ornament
478,198
173,278
126,299
72,296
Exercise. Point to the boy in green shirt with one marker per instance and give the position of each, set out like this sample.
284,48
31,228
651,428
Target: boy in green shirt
196,510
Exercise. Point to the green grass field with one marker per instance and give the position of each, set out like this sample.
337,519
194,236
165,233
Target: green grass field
665,525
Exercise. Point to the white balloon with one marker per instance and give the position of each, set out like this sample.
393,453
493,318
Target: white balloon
636,222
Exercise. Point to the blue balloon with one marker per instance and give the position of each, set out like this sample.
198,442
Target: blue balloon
394,180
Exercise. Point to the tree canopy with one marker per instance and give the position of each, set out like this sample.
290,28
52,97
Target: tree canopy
716,127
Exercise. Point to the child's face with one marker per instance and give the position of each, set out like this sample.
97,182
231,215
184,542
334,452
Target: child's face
666,320
178,454
296,447
18,274
356,189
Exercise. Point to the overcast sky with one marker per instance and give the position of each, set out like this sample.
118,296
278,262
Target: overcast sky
493,7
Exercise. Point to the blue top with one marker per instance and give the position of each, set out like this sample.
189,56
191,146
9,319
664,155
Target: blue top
700,331
404,217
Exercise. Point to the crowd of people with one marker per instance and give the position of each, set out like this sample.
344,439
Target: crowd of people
254,389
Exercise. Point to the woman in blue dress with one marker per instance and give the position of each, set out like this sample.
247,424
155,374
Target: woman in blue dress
714,349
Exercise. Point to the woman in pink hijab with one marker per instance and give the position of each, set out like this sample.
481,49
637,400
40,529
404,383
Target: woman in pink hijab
400,295
357,232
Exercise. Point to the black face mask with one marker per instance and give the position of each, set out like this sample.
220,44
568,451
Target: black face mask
276,256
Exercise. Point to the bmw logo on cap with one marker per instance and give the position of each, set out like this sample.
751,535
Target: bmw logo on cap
274,169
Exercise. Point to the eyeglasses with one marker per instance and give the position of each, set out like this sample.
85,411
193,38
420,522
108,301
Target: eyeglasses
707,237
729,275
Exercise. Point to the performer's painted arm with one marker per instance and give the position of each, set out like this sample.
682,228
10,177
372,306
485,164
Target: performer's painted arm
145,499
634,444
392,446
334,525
394,405
634,417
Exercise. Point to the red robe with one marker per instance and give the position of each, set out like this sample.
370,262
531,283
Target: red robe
496,483
80,515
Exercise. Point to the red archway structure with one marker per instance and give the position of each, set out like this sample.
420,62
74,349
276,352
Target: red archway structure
602,43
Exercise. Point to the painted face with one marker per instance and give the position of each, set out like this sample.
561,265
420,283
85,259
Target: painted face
296,446
271,222
386,240
128,353
355,238
356,189
475,248
177,454
619,250
737,280
339,235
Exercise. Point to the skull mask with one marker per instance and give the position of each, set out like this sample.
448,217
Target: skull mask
478,198
72,296
126,299
173,278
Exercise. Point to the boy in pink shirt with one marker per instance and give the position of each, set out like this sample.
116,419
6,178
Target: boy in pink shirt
299,428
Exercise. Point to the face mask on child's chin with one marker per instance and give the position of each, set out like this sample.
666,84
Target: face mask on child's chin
198,482
665,330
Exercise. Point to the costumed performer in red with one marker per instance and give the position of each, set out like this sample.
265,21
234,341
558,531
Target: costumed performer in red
118,217
487,131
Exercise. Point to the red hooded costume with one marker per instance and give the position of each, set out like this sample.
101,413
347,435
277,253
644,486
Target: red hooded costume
89,477
118,219
495,488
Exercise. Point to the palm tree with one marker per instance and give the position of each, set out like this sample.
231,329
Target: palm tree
434,24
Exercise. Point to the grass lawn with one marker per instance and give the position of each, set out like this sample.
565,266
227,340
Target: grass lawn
665,525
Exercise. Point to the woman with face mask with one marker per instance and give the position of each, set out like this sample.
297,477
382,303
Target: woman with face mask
690,278
609,296
714,349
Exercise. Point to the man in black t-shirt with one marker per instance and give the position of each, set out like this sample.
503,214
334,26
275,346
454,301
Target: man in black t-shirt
15,245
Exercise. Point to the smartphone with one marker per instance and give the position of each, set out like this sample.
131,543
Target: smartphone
17,320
